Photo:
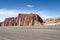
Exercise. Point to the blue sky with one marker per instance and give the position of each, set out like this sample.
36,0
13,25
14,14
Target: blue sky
45,8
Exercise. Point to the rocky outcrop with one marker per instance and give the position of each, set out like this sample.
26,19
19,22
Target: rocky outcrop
23,20
52,21
0,23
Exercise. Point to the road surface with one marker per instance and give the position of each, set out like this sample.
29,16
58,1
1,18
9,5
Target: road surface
17,33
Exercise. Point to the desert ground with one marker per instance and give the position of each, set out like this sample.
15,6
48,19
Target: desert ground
30,33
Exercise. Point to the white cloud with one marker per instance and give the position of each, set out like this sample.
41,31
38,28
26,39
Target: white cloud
29,5
44,14
5,13
45,17
8,12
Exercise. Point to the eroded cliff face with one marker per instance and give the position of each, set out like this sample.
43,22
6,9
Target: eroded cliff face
23,20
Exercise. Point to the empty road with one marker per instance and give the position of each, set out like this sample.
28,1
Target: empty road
17,33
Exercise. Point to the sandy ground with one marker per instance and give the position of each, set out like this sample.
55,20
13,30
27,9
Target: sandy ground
20,33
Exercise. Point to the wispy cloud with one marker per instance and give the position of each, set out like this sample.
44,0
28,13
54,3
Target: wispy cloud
4,13
44,14
29,5
8,12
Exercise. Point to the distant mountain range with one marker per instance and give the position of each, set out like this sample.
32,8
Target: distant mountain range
52,21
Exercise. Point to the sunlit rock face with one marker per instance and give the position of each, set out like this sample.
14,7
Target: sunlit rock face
23,20
52,21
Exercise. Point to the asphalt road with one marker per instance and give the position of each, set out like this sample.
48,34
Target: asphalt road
17,33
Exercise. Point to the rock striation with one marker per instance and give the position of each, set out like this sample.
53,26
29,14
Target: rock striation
23,20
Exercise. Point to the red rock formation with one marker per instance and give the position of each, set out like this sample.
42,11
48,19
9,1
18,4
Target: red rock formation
23,20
